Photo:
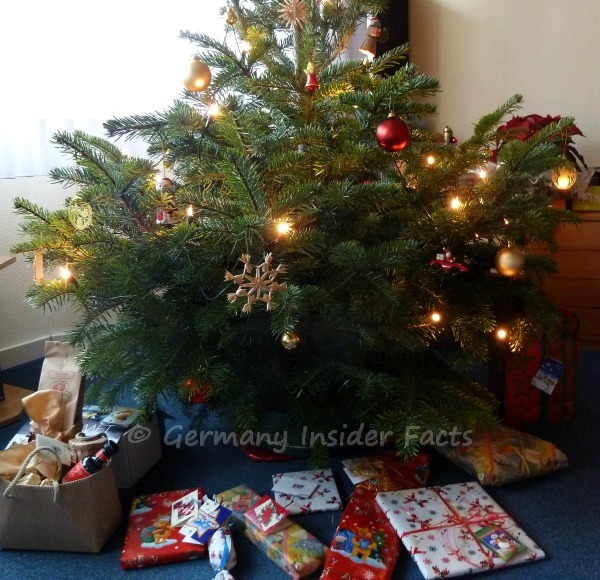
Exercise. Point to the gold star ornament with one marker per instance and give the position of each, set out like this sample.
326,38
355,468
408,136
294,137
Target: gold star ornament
293,12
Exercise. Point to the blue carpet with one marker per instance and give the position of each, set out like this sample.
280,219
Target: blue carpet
560,512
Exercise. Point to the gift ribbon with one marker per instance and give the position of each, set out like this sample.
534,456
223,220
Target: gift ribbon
491,518
226,552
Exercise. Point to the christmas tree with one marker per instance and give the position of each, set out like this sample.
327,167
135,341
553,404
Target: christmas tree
300,257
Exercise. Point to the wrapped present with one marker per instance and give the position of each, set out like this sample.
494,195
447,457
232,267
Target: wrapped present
307,491
293,549
153,535
221,551
513,378
503,455
456,529
388,472
365,544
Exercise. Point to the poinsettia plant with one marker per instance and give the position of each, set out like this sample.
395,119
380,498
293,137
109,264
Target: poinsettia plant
523,128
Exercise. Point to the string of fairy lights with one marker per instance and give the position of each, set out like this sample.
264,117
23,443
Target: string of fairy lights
393,135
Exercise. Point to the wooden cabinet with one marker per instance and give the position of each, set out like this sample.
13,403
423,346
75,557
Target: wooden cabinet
576,285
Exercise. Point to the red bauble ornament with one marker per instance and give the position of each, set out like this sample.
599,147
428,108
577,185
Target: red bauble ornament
393,134
197,392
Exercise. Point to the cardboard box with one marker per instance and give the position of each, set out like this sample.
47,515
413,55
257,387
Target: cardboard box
139,445
73,517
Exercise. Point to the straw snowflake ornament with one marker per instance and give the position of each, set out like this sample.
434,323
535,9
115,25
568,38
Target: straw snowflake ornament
257,287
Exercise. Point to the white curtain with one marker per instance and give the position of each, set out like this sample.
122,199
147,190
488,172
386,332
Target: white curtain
71,65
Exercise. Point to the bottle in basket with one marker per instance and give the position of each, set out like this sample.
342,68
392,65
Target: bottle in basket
91,464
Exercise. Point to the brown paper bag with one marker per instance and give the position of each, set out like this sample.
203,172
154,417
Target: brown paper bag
60,374
71,517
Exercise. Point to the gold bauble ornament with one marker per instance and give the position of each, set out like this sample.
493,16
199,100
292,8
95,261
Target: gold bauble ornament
564,177
290,340
199,76
510,261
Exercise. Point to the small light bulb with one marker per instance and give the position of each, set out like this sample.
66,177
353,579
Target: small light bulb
436,316
65,273
284,227
501,334
430,160
563,182
245,46
564,177
455,203
213,110
506,221
482,173
190,211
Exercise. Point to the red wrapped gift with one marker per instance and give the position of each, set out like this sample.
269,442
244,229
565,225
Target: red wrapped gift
523,402
151,539
366,544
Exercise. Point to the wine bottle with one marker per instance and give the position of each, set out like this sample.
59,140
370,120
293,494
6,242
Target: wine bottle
91,464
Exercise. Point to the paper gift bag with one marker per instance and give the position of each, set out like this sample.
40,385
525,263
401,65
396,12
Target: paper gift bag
71,517
61,374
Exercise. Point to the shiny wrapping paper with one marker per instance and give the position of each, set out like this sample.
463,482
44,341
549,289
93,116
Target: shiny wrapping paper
503,455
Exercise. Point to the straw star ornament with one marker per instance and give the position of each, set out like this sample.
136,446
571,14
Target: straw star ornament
293,12
257,287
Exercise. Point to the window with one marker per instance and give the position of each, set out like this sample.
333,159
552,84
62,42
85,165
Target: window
71,65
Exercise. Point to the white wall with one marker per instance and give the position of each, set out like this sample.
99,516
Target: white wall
23,328
484,51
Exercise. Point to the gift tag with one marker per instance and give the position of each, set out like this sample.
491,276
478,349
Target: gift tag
209,518
500,542
188,533
268,515
548,375
291,485
185,509
63,450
